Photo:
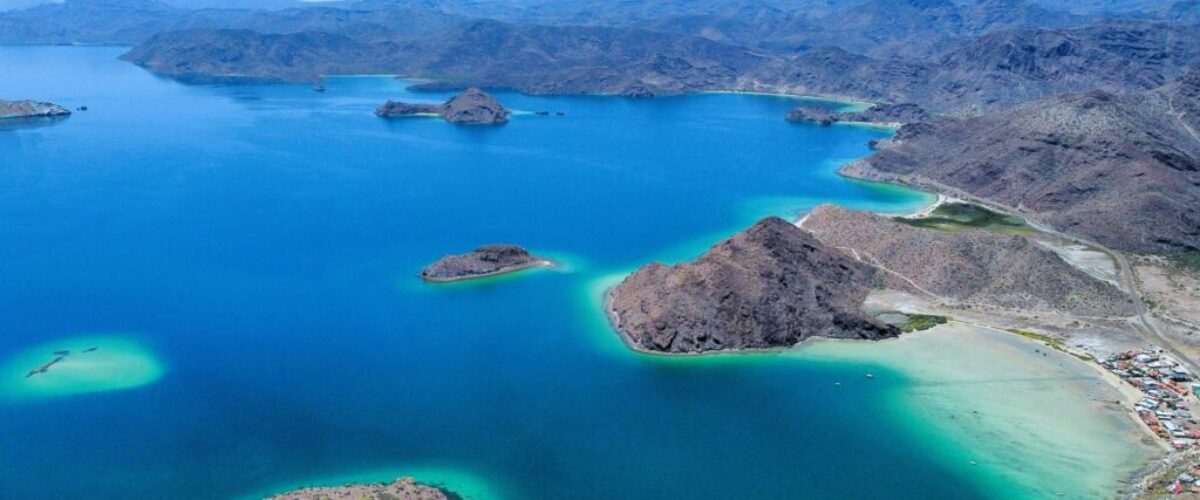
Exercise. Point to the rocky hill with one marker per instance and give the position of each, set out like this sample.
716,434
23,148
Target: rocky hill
1121,170
772,285
971,267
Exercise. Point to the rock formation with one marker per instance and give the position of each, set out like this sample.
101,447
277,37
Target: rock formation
25,109
772,285
971,267
484,261
471,107
400,489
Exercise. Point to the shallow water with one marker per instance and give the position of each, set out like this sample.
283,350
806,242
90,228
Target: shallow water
260,243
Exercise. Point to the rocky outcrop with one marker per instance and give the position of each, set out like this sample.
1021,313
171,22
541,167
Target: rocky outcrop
27,109
400,489
972,267
471,107
772,285
1120,170
474,107
484,261
883,114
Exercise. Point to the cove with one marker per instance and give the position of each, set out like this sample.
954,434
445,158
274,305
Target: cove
265,240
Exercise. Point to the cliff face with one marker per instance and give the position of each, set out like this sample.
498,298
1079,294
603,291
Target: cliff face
1121,170
971,267
24,109
471,107
771,285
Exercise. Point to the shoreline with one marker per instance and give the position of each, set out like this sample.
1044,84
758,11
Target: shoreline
501,272
851,101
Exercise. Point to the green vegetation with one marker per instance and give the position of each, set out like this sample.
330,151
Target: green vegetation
918,322
1045,339
964,216
1049,341
1187,260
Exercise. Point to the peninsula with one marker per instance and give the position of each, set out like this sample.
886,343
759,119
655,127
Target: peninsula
772,285
471,107
485,261
405,488
29,109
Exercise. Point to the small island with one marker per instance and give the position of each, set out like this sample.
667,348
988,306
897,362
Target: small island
485,261
30,109
401,489
471,107
770,286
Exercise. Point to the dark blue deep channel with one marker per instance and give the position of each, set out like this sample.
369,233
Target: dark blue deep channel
261,242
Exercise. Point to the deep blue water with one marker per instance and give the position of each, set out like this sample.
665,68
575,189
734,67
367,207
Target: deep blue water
263,240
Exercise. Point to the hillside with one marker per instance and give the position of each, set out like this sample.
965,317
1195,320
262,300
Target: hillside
771,285
972,267
1121,170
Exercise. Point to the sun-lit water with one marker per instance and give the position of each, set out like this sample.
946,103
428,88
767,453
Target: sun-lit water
262,242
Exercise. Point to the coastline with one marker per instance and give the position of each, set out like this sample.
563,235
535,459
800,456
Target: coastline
810,97
1138,462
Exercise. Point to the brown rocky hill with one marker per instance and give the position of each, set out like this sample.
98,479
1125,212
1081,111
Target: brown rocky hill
771,285
972,267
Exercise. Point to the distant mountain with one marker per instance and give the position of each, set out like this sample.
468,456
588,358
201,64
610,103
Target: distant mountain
134,21
538,59
1002,68
995,71
1121,170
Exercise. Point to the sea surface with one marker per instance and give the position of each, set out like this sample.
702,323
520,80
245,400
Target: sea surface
251,252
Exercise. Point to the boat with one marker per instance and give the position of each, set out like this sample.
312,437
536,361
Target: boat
318,88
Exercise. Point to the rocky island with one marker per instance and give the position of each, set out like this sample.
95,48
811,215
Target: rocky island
489,260
30,109
471,107
772,285
401,489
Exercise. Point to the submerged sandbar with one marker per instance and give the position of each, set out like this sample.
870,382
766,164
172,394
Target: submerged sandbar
79,365
1027,420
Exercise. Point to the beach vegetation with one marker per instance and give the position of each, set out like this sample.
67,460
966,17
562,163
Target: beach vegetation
966,216
918,322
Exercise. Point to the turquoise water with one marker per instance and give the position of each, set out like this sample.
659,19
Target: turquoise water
260,244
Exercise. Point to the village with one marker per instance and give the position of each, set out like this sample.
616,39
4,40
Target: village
1166,387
